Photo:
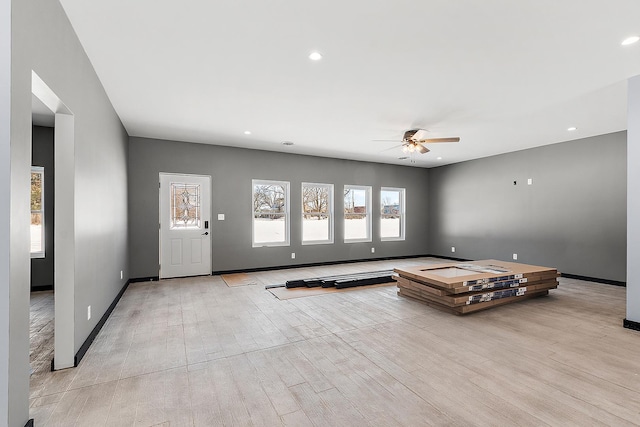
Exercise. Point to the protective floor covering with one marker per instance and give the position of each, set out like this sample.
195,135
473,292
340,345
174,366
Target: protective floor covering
239,279
284,293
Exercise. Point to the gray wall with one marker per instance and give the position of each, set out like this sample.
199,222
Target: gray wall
232,170
44,41
573,217
633,201
42,155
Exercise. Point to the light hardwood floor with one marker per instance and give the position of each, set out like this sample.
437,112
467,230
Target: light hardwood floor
195,352
41,326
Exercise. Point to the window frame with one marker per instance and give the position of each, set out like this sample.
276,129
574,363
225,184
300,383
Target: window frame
286,213
368,190
330,214
39,254
403,209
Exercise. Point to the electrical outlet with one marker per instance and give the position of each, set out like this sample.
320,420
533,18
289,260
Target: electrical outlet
220,217
121,275
88,312
515,257
373,250
530,181
453,248
293,255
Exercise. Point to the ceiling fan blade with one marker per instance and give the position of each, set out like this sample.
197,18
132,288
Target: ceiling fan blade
419,134
421,148
392,148
432,140
386,140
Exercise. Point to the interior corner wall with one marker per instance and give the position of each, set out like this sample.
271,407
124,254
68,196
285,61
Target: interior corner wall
572,217
232,170
44,41
633,200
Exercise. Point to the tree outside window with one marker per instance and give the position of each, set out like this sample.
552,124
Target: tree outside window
270,213
357,213
37,212
317,213
392,217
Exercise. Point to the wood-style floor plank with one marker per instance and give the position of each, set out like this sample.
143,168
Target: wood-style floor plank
195,352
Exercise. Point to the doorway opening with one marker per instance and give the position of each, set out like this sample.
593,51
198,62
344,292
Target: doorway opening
52,220
41,307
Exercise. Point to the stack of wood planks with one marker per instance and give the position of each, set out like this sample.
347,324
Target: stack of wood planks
467,287
344,280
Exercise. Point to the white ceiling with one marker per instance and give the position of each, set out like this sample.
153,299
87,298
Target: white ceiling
503,75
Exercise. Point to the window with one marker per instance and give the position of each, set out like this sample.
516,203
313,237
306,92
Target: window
317,213
37,212
270,213
184,202
357,213
392,208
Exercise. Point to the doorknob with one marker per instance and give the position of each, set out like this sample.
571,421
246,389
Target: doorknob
206,233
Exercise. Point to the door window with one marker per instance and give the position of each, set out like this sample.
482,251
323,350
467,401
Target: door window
185,205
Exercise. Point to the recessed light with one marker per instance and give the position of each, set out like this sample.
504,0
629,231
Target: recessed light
287,143
630,40
247,132
572,128
439,158
315,56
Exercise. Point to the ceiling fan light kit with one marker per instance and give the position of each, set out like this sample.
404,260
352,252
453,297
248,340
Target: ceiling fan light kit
413,139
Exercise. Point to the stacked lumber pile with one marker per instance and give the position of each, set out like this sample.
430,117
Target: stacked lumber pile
462,288
344,281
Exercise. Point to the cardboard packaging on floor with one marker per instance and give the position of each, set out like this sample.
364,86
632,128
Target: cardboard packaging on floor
467,287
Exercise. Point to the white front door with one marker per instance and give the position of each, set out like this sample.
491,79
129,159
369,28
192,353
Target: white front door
185,233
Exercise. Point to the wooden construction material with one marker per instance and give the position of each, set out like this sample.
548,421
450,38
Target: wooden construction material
463,288
344,280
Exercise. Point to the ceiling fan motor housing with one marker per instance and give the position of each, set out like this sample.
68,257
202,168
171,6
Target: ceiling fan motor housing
408,135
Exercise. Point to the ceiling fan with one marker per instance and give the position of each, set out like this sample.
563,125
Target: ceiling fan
413,139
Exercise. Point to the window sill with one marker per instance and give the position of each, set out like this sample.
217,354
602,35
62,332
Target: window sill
269,245
318,242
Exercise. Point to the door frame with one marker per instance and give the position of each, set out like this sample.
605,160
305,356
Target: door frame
160,174
64,231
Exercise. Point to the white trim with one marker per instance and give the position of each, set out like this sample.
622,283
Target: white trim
64,232
165,180
367,190
47,96
64,241
286,214
403,212
330,212
9,367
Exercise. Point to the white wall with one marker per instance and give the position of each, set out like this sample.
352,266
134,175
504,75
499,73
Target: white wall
5,192
633,201
43,41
